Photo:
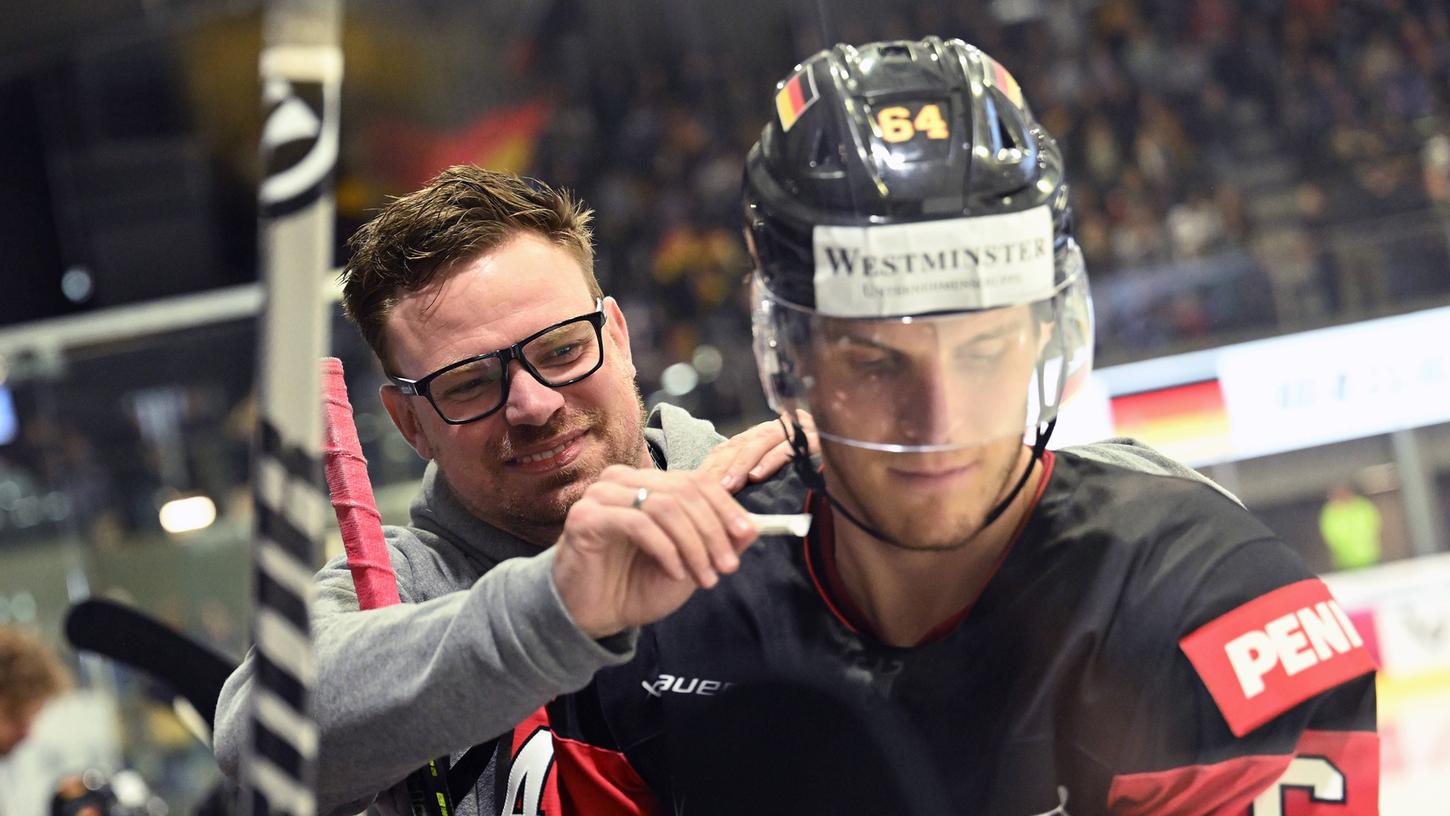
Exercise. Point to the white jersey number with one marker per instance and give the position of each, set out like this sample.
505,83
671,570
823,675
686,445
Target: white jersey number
1324,781
527,775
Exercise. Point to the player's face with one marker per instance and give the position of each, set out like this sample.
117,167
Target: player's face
958,384
522,467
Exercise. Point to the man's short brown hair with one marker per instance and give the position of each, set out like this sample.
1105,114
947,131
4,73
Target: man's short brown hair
463,212
29,672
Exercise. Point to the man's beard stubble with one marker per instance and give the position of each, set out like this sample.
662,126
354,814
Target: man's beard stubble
537,516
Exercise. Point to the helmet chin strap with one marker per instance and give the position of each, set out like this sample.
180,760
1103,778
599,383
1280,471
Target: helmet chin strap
816,481
801,454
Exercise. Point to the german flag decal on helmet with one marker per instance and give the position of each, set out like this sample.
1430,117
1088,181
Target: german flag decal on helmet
1004,81
794,97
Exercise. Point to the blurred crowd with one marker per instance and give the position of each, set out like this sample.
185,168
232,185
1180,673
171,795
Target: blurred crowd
1239,167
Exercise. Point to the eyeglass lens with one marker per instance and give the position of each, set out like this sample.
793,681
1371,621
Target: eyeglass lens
556,357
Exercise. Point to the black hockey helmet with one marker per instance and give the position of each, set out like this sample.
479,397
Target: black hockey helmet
890,133
917,288
900,181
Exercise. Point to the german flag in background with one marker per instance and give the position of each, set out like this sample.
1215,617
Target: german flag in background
1188,422
794,97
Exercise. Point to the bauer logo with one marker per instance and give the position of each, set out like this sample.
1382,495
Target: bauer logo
669,683
932,266
1275,652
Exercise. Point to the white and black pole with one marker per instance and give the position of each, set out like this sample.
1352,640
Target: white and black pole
301,73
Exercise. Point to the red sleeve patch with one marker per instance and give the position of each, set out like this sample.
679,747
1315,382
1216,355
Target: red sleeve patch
1275,652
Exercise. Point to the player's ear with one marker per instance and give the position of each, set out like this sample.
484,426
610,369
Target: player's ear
402,409
616,332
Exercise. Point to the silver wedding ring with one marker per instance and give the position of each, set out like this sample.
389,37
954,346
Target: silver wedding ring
640,497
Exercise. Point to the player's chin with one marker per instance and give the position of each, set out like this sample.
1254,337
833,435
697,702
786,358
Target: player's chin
927,532
935,543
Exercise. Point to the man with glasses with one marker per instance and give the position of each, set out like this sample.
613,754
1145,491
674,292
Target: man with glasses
510,372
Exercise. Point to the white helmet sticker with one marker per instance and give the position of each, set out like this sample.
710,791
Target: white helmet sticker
980,262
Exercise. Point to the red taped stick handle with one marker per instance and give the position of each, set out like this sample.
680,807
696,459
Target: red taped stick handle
352,495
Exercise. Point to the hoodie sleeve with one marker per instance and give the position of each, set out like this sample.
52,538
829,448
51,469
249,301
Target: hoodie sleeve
403,684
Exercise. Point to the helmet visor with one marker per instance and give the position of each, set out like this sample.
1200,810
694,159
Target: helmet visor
925,383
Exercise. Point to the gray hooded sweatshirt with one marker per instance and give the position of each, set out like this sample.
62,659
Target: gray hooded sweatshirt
481,641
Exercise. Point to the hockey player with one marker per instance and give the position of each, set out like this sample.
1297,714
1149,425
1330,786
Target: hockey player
1032,632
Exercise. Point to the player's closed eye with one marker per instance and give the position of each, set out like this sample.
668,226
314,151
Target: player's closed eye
876,365
986,353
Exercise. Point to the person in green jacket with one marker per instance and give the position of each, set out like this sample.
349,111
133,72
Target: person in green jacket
1350,525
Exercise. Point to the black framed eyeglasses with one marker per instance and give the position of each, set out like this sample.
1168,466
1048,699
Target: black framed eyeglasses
473,388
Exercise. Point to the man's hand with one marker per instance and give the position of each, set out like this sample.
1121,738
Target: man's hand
755,454
626,561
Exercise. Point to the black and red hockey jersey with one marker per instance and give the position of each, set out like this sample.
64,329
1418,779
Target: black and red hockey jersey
1145,647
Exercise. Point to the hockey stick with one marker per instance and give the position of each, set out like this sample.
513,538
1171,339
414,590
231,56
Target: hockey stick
301,74
128,635
367,551
194,670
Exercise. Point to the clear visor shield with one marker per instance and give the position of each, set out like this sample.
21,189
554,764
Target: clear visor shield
926,383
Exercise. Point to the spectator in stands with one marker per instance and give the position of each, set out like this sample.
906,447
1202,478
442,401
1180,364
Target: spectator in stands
1164,109
1350,525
